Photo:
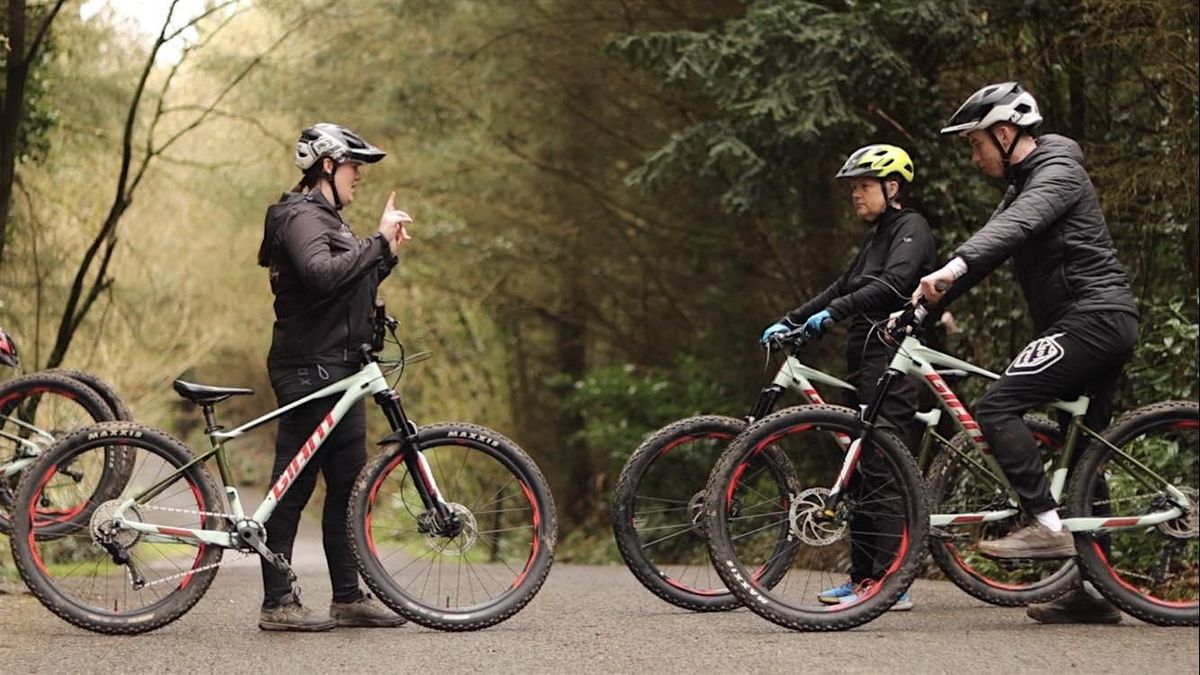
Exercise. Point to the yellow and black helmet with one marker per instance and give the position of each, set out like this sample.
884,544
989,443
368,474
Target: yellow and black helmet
878,160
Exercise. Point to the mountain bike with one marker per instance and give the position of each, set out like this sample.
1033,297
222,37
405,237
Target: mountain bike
40,408
657,499
1131,504
452,524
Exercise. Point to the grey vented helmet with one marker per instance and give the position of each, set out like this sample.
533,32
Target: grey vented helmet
1005,102
335,142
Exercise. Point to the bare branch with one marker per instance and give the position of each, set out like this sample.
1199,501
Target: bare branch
895,125
213,107
166,87
103,283
42,31
200,17
211,166
249,120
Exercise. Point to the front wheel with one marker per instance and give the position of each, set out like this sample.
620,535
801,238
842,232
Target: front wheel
1150,572
656,509
474,568
871,528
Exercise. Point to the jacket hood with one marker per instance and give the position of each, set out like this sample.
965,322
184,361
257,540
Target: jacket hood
1049,147
277,214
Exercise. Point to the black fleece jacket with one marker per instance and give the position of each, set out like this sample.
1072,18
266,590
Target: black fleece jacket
900,250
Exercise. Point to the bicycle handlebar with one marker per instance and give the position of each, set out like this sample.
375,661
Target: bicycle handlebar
796,337
911,318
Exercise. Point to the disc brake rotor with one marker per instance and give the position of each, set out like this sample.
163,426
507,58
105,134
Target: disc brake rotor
460,543
807,520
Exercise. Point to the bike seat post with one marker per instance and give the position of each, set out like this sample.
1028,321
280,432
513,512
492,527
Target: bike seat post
210,419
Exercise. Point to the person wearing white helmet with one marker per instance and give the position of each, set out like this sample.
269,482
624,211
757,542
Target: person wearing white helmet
324,280
1050,223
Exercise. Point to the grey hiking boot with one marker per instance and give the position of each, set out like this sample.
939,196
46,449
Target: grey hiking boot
291,615
1075,607
1031,541
366,612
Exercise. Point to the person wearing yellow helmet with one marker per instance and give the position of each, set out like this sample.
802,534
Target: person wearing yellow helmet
898,250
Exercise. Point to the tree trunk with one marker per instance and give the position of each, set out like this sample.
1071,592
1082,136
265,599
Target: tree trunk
12,109
571,356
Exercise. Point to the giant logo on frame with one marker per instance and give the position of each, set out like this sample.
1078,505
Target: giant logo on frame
1037,356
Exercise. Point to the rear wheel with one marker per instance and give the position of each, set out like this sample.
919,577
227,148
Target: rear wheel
657,505
103,389
36,411
476,568
103,575
960,482
874,528
1151,572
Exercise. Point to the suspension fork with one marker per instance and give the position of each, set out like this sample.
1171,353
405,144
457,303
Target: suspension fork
404,432
854,452
765,403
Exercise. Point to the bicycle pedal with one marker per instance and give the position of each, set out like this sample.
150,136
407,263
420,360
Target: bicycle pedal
940,533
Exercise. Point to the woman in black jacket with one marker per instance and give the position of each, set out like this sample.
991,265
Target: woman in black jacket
324,280
898,250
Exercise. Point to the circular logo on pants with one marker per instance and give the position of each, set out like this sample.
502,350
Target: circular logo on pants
1037,356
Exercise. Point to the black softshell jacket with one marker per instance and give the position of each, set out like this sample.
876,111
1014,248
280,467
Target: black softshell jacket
1051,225
324,279
900,249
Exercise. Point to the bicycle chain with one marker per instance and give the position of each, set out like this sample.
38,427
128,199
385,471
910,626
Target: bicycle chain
172,509
180,575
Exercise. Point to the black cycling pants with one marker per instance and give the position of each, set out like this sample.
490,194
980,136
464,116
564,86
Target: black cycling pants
875,534
1082,353
339,459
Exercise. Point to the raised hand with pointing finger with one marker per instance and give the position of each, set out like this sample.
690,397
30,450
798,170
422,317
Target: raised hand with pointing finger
392,222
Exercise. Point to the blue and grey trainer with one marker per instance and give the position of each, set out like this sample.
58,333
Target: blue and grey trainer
846,593
833,596
903,604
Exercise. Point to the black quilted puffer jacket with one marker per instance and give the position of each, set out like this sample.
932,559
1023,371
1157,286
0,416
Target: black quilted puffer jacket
1051,225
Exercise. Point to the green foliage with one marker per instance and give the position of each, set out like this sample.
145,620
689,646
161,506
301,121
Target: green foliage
1165,365
621,404
794,85
587,547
